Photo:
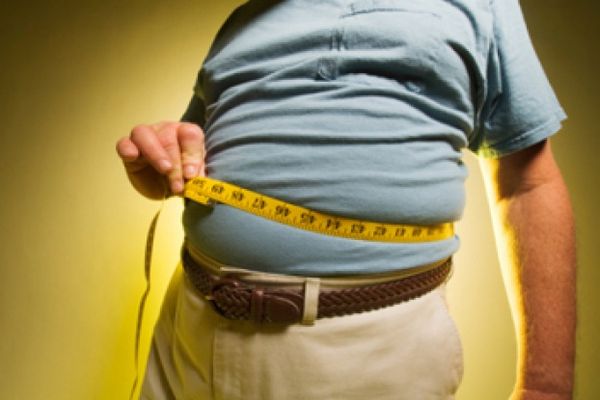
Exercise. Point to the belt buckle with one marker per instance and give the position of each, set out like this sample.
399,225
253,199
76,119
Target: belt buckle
234,299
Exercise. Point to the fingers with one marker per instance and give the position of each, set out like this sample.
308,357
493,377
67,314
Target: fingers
172,149
127,150
167,136
191,142
148,144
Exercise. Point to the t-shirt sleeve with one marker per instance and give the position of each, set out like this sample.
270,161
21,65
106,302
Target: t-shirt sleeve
196,111
520,107
196,108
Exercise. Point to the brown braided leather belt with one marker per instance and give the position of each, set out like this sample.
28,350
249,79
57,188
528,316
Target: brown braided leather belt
236,299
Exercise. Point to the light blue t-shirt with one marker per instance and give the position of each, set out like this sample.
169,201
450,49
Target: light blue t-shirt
359,109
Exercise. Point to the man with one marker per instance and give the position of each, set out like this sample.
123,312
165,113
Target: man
360,110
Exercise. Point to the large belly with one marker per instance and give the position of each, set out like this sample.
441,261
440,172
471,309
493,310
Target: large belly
240,239
419,183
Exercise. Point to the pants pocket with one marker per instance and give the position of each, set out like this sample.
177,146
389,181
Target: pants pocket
455,349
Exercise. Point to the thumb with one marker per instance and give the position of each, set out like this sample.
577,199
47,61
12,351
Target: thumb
191,143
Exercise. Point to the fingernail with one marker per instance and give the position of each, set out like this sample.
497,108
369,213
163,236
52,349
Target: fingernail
164,165
177,187
190,171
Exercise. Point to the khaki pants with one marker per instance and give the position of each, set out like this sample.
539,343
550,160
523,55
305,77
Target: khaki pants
410,351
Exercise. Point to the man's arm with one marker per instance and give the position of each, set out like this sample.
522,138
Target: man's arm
534,229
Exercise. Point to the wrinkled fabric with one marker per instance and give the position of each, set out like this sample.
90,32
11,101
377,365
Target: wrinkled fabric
360,109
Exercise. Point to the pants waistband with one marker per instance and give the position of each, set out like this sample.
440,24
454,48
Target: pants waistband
242,294
338,281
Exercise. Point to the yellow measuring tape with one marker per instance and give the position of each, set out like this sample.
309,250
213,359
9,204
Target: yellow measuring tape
207,191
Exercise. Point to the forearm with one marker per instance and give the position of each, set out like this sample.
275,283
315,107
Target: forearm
535,234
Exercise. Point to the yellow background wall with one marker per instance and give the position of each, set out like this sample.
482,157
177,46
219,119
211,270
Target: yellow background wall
75,76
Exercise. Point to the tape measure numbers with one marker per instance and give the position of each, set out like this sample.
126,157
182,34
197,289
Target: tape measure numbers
207,191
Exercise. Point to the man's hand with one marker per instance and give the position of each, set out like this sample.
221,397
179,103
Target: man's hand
158,157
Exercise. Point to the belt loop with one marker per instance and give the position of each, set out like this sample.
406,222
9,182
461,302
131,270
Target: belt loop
311,300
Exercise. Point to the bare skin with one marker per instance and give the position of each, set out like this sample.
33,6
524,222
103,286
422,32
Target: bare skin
534,228
158,158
